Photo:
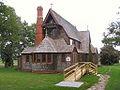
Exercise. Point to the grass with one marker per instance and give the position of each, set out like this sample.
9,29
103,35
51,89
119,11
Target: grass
114,81
1,62
89,80
11,79
15,62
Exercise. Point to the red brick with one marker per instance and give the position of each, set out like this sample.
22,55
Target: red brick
39,32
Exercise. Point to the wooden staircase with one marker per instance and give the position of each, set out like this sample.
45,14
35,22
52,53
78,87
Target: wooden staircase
76,71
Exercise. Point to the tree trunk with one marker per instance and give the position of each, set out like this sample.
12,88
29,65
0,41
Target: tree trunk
8,63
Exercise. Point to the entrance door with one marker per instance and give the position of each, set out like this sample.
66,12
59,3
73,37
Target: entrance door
74,57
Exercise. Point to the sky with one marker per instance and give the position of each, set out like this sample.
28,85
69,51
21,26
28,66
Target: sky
96,14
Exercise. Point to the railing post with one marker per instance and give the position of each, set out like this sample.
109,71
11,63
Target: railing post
75,75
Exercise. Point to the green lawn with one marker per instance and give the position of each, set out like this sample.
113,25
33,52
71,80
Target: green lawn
11,79
1,62
114,81
15,62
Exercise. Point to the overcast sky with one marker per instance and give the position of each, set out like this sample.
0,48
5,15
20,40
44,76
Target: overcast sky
97,14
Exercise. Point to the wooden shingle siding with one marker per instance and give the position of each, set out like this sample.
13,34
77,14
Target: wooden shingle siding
62,46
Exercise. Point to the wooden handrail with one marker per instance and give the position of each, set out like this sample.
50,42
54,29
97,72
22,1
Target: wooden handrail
73,66
74,70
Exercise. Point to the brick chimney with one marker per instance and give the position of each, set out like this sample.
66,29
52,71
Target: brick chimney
39,32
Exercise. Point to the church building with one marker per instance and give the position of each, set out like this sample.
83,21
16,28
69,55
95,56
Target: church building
58,45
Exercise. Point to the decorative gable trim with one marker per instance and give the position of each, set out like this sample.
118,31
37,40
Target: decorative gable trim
49,13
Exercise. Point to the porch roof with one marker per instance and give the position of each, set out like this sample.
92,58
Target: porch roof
28,50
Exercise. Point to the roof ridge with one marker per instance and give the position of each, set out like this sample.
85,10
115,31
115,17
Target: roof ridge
70,29
63,18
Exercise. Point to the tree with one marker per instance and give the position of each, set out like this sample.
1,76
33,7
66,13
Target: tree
27,35
112,37
109,55
9,33
14,35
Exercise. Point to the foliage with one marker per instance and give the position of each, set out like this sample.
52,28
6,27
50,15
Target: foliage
109,55
112,37
9,33
14,35
27,36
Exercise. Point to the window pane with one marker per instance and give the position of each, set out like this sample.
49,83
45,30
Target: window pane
34,58
43,58
49,58
38,58
27,58
63,58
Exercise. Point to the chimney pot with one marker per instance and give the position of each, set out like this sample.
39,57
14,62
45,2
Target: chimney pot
39,8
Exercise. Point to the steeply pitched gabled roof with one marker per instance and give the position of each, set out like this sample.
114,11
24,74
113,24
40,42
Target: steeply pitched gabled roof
62,46
85,41
93,49
84,38
48,45
68,27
